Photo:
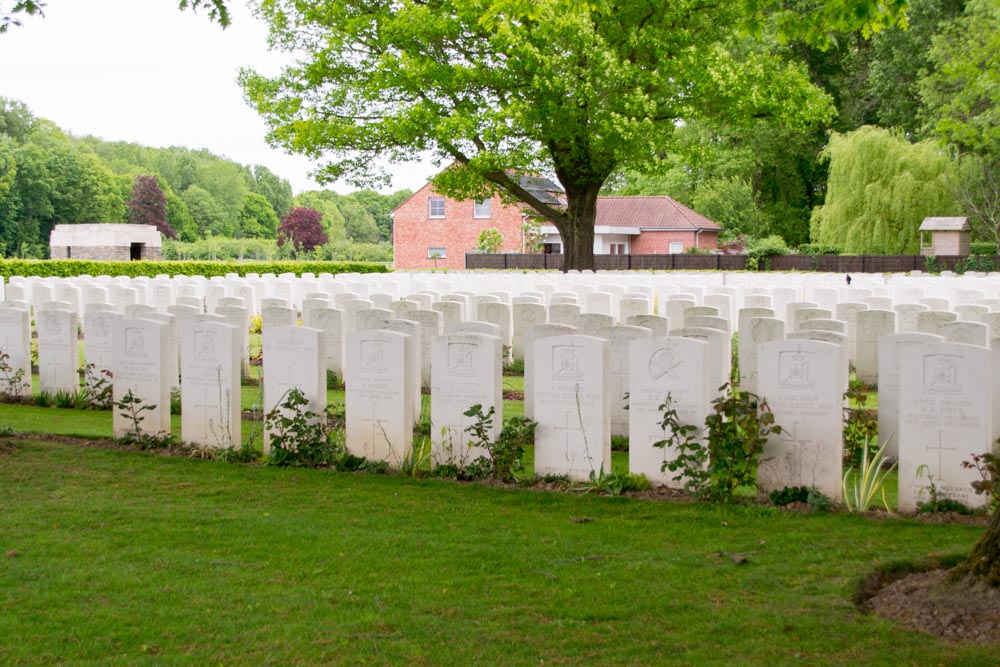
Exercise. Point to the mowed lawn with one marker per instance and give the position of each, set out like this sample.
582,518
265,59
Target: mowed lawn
120,558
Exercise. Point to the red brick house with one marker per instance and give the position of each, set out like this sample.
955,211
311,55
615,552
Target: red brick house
434,231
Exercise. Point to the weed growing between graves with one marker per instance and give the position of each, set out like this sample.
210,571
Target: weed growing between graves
300,437
936,502
810,495
726,459
11,381
97,392
504,456
64,399
860,423
613,483
988,466
869,483
132,408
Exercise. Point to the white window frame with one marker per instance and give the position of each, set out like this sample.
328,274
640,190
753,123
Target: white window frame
617,248
676,247
482,209
440,252
431,201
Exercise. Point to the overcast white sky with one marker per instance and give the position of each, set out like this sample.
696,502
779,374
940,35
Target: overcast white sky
144,71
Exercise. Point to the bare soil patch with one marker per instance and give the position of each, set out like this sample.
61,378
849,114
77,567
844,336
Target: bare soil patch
929,602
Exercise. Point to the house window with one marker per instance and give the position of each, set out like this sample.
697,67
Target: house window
616,248
676,247
552,248
482,209
435,253
436,207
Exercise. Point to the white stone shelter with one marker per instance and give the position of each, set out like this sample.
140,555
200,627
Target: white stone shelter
106,241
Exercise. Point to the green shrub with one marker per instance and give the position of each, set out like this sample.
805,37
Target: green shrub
69,268
982,248
726,459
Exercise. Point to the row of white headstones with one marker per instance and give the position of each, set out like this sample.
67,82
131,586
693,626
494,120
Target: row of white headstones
925,341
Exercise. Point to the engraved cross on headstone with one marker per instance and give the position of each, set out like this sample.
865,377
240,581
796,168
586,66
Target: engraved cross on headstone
377,425
285,385
572,425
210,410
940,449
802,461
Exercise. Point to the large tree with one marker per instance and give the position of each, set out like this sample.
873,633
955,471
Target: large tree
506,87
148,205
880,189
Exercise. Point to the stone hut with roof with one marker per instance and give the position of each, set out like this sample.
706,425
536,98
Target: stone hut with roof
106,241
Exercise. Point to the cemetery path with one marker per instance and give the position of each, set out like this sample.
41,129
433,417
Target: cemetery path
925,601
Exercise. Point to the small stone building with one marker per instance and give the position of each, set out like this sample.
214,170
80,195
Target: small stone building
949,237
104,241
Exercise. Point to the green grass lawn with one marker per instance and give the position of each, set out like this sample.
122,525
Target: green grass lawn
122,558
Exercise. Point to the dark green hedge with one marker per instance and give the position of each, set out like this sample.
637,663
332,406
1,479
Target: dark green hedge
68,268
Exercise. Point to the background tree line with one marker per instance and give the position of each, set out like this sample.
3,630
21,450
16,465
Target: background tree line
49,177
916,133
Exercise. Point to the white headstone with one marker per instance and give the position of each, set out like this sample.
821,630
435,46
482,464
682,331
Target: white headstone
803,382
889,370
379,405
294,358
945,417
663,366
620,338
58,351
142,358
871,326
210,383
572,406
466,371
15,351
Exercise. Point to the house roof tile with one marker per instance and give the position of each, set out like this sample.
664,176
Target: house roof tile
650,213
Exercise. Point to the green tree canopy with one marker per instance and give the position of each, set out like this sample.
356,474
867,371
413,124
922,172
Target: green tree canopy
962,91
277,190
881,187
576,89
258,219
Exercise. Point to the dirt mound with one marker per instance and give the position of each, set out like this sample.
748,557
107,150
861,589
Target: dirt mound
928,602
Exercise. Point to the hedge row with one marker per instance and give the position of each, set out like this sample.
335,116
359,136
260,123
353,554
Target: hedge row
68,268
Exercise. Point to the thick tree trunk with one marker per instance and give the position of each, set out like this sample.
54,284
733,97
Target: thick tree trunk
577,228
984,559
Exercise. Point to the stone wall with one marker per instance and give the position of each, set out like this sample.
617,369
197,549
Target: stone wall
103,253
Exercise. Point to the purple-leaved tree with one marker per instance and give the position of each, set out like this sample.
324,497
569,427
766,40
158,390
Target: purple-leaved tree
302,228
148,205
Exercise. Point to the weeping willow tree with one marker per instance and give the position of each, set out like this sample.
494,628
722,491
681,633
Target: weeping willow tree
879,190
